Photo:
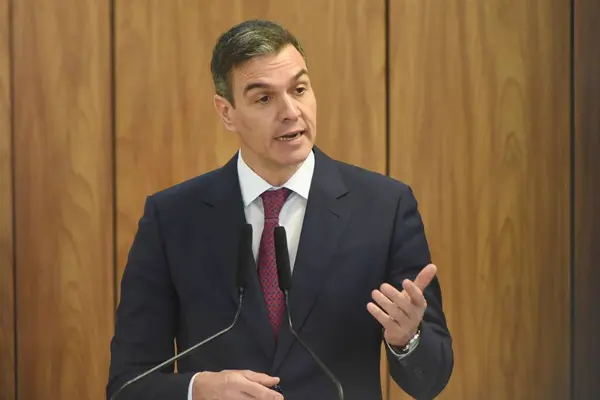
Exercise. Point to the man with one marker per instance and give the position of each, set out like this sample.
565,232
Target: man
360,261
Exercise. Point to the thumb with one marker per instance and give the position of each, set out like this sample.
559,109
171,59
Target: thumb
260,378
425,276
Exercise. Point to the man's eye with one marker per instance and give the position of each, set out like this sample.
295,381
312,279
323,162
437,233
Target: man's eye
300,90
263,99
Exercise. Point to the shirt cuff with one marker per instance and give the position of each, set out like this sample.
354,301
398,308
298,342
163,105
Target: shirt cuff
191,387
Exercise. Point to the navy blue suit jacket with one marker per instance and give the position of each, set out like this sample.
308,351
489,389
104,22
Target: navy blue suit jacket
360,229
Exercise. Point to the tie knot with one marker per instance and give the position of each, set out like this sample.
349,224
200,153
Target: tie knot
273,201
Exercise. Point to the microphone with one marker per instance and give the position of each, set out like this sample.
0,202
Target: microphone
245,265
284,276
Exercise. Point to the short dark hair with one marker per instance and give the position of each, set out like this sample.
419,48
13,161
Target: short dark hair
242,42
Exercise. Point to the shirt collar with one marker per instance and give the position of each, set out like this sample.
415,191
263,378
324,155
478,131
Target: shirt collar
253,186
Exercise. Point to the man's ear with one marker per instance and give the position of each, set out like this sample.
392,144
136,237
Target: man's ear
225,111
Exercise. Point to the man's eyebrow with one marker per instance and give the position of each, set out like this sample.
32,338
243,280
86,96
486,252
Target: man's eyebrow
255,85
262,85
300,73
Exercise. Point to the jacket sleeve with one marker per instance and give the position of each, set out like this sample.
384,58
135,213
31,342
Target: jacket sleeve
146,320
425,372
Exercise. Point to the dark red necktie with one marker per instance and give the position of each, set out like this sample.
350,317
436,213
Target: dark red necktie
273,201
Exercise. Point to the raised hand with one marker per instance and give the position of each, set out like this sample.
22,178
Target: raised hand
400,313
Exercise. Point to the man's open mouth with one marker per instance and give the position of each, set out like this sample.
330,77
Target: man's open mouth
290,136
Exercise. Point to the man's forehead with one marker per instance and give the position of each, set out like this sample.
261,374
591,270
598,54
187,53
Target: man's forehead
286,64
272,74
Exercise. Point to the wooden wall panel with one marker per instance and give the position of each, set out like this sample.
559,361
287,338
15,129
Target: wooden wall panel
7,317
587,200
63,161
480,128
167,128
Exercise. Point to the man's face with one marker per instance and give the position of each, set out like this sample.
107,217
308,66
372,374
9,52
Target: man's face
275,111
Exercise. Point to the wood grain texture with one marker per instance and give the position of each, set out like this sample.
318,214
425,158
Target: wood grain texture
167,128
480,128
64,241
587,200
7,293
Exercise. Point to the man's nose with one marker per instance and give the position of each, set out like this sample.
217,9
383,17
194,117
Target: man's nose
290,110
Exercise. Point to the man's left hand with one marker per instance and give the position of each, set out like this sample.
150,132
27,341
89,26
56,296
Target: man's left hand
400,313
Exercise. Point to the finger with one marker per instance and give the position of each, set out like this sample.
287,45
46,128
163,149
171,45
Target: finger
396,311
404,310
425,276
417,301
396,296
381,317
415,294
260,378
255,390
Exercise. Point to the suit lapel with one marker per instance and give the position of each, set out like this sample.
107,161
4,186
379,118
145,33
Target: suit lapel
224,222
326,216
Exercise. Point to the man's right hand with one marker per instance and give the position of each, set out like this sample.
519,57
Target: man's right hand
235,385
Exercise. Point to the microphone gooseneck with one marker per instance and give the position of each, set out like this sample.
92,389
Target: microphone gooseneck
284,276
245,265
329,374
186,352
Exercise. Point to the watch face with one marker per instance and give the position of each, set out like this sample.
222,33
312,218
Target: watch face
412,343
403,349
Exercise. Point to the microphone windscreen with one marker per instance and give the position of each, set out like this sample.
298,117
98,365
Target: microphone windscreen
245,256
282,256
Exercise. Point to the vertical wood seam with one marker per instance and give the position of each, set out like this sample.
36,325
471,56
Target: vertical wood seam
113,128
572,188
11,96
387,86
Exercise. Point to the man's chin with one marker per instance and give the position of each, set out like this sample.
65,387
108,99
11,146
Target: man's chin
297,156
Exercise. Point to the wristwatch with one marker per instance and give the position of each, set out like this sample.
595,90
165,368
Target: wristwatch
410,346
412,343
